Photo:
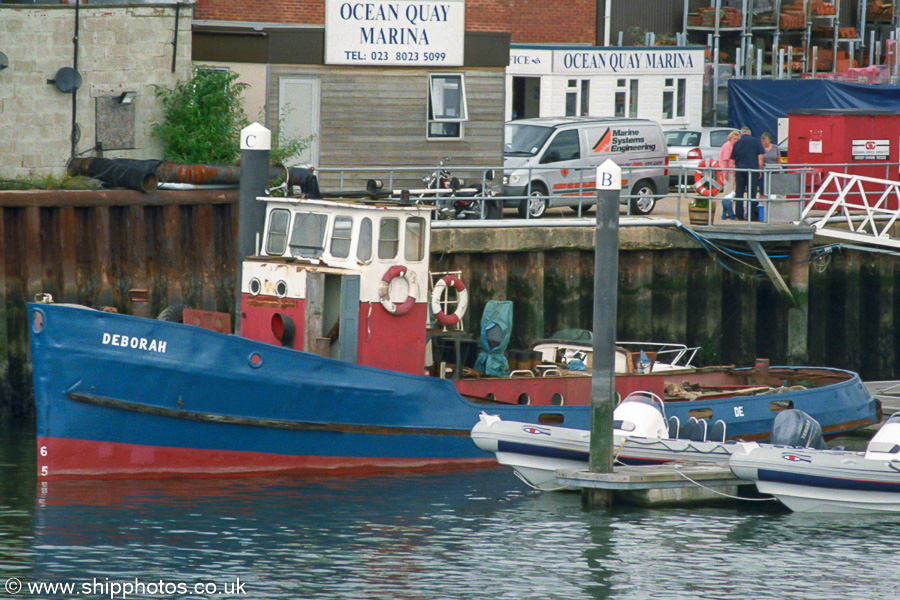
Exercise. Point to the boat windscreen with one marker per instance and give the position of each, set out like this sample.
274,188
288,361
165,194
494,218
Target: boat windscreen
645,397
308,235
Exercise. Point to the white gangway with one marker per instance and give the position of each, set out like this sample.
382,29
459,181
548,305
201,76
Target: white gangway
864,211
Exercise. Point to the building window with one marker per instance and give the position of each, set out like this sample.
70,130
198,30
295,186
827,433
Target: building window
446,106
673,98
578,97
626,98
276,239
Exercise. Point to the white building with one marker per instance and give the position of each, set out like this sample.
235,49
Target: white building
662,83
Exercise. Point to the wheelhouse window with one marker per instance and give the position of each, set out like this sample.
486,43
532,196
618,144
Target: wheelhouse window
414,248
308,235
446,106
276,236
389,238
364,247
673,98
341,237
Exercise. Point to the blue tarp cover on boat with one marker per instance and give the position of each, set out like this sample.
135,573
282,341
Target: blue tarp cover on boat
496,329
758,104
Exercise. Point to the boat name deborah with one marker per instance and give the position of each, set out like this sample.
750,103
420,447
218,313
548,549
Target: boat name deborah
136,343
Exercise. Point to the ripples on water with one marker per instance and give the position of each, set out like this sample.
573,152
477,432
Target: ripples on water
477,534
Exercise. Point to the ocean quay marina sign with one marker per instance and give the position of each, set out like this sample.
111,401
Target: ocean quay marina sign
608,61
395,32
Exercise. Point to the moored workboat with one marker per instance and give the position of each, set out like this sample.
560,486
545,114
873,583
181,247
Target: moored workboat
331,370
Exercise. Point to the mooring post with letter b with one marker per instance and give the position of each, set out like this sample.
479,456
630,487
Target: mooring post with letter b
606,270
256,142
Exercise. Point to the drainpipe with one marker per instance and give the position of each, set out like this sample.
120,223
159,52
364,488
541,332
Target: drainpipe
606,22
175,37
74,135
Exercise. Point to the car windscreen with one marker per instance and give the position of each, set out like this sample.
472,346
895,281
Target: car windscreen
682,138
524,140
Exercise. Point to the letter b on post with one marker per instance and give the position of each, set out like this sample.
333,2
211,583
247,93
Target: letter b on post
609,176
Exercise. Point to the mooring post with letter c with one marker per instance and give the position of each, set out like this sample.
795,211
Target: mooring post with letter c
606,270
256,142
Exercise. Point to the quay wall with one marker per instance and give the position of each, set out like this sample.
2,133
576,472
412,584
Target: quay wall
100,248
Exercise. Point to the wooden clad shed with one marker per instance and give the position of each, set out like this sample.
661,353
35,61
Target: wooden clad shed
370,112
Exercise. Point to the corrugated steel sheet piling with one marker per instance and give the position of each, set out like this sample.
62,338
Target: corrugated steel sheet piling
256,142
606,272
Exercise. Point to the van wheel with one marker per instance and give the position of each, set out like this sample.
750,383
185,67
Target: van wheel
643,200
535,205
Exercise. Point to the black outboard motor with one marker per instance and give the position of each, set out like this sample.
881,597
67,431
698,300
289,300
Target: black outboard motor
796,428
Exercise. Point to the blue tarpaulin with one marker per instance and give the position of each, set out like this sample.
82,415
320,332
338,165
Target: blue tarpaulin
759,103
496,329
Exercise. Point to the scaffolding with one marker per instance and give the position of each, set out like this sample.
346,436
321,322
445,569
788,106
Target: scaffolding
805,39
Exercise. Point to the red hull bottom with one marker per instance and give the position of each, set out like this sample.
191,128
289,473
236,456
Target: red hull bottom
59,458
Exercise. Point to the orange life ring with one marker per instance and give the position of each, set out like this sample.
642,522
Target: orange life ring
701,180
461,304
398,310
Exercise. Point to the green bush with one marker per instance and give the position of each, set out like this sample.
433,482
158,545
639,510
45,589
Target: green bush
202,118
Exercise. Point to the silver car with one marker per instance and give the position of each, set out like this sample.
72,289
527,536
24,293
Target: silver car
687,147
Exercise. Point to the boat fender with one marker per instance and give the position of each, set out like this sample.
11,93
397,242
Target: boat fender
701,180
462,302
398,310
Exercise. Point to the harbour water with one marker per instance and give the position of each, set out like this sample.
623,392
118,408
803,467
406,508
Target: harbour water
473,534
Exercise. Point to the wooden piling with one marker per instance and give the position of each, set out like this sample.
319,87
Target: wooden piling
92,247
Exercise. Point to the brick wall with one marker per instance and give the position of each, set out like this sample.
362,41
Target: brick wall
553,21
529,21
299,12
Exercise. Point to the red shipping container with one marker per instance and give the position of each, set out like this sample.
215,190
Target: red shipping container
852,141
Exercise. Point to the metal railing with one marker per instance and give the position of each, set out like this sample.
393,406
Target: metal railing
577,192
787,190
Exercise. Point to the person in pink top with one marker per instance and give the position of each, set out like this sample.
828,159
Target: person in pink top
725,162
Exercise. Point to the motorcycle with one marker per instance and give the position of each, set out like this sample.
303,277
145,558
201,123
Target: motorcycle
453,200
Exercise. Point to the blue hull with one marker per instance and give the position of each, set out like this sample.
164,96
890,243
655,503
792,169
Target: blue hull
118,395
104,378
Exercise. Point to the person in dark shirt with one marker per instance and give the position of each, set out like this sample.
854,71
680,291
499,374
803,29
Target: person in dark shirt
747,153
